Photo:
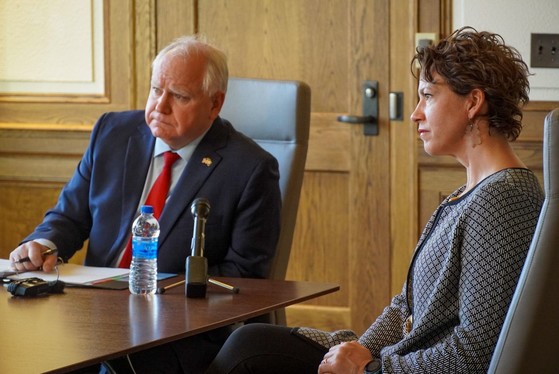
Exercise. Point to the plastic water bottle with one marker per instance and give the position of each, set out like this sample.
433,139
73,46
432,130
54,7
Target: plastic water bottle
143,268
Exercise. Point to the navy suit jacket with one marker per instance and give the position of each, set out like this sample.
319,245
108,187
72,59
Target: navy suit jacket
99,203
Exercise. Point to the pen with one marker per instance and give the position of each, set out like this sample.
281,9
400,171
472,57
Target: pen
48,252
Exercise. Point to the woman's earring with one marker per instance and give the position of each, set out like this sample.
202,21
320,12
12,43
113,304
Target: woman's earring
475,134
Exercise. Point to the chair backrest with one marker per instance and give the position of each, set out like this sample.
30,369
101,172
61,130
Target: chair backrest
275,114
529,340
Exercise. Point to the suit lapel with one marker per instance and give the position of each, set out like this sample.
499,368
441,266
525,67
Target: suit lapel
201,165
136,165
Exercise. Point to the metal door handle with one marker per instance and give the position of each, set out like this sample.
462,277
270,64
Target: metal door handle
370,110
356,119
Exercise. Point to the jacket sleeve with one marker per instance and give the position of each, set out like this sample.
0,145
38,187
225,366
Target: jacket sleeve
388,327
68,223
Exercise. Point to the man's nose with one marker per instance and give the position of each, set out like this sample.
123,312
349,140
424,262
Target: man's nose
163,104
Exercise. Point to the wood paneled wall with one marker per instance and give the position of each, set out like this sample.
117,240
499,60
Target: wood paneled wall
34,165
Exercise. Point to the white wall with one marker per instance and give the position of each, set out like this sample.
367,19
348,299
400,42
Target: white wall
515,20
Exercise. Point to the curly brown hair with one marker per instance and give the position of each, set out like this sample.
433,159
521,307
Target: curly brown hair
469,59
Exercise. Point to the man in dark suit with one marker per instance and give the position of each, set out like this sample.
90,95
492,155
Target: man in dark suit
124,157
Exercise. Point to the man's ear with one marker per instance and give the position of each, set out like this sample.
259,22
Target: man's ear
217,102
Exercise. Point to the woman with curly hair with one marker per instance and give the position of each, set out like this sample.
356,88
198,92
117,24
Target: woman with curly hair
466,265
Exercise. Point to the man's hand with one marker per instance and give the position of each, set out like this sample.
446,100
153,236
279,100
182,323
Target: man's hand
346,358
34,251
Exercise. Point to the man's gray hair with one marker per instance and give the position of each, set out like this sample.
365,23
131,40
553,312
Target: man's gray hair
217,73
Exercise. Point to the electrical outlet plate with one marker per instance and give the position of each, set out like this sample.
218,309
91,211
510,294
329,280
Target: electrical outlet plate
544,51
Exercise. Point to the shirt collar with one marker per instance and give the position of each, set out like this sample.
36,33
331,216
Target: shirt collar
185,152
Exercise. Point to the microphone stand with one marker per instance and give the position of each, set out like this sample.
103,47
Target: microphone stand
161,290
196,276
224,285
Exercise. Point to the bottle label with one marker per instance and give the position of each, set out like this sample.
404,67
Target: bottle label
144,248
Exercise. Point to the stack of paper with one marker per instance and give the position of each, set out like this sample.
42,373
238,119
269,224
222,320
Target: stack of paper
69,273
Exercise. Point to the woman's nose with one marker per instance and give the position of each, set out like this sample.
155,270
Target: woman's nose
417,114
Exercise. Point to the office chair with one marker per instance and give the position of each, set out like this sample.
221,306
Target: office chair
529,340
275,114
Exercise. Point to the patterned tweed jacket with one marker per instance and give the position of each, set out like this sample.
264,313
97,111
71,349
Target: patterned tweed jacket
460,283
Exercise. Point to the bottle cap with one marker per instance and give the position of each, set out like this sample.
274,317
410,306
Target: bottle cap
146,209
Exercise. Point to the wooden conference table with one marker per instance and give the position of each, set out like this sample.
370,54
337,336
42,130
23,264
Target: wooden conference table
84,326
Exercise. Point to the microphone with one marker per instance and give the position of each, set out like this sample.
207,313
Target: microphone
196,264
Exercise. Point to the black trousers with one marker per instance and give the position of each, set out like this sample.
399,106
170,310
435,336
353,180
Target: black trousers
190,355
262,348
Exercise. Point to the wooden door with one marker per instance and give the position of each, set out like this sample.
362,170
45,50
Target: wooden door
343,227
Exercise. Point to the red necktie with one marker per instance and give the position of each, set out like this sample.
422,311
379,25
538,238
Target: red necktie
156,198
